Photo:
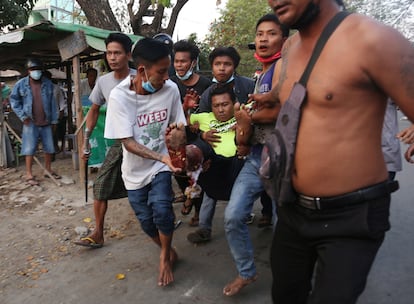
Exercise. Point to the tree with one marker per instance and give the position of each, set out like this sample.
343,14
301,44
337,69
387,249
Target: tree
397,13
14,14
100,13
236,27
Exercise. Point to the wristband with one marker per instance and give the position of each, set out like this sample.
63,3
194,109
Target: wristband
87,133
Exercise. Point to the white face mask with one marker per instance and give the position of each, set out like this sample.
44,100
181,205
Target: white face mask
36,74
226,82
188,74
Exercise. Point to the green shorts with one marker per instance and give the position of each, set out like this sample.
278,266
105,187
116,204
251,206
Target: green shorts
108,183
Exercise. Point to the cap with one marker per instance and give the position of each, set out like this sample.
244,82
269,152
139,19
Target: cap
164,38
34,63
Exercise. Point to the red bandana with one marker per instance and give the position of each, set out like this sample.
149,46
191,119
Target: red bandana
268,59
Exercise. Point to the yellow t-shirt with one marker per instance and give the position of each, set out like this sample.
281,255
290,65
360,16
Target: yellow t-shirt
208,121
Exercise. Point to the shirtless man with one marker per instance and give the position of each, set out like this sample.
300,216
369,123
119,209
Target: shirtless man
338,150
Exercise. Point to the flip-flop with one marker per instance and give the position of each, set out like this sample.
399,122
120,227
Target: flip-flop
54,174
187,207
88,242
31,181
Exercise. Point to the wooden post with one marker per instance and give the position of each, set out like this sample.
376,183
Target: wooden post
71,47
79,115
3,134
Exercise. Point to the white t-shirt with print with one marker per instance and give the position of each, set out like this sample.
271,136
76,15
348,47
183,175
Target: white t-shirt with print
145,118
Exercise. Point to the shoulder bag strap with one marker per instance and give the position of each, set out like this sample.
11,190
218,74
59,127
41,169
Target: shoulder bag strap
327,31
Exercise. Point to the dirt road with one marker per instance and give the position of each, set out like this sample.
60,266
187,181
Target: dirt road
40,263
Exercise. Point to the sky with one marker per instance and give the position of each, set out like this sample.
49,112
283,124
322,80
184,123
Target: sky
196,17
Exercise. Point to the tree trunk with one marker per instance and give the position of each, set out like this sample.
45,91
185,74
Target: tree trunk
155,27
174,15
99,14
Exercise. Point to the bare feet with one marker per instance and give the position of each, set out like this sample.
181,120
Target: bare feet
234,287
30,180
166,276
173,257
243,126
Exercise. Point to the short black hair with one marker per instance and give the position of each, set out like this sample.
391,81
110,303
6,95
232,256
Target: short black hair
93,70
225,51
187,46
122,39
218,89
149,50
340,3
274,19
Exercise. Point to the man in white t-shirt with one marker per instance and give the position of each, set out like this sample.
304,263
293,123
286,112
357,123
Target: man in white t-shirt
140,110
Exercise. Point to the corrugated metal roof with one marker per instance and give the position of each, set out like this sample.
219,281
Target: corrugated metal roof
40,40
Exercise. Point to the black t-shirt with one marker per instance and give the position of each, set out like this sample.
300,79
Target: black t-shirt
201,85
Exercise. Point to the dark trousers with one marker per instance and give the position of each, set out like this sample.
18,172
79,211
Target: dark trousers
183,182
324,256
267,204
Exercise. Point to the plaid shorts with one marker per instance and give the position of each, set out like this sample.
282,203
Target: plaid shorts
108,183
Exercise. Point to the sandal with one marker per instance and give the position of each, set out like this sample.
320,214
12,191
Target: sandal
180,198
187,207
31,181
54,174
88,242
194,221
264,221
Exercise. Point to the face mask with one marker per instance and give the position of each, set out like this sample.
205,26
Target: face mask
187,75
311,11
36,74
147,86
228,81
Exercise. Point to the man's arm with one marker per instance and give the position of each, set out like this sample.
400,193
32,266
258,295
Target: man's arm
391,68
407,135
90,124
16,103
265,115
135,148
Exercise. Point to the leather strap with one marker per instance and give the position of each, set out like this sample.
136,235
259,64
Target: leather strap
326,33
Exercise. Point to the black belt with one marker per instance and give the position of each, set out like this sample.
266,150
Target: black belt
350,198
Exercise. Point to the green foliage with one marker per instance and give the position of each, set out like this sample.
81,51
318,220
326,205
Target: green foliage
203,63
165,3
14,14
236,27
396,13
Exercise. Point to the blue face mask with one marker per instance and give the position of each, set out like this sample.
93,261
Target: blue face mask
147,86
228,81
36,74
